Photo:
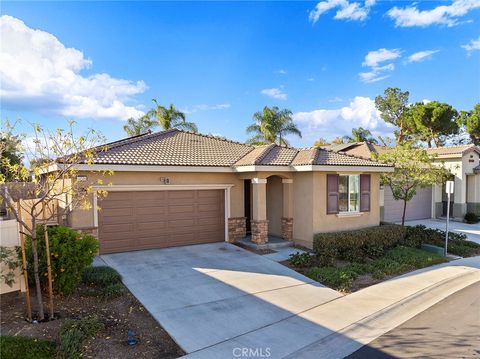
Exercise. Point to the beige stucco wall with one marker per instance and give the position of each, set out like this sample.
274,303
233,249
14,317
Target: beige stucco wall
274,205
303,208
310,208
82,218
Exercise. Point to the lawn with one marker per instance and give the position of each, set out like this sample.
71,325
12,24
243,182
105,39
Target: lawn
92,322
26,348
351,276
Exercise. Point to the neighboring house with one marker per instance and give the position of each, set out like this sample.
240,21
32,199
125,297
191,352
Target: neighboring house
464,163
177,188
431,202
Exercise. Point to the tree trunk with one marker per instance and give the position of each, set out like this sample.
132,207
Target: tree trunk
41,314
404,211
429,143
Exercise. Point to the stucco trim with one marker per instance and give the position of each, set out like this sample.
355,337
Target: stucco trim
162,187
142,168
263,169
207,169
350,169
259,180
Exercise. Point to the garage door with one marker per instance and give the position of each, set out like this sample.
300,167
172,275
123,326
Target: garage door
157,219
419,207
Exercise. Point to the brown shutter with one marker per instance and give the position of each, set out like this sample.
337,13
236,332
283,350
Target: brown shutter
332,193
364,193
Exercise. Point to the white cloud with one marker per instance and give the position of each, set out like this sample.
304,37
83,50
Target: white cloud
204,107
442,15
282,72
421,55
38,73
374,59
472,46
346,10
311,79
274,93
329,123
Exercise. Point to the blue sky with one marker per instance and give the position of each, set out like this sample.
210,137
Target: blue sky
101,62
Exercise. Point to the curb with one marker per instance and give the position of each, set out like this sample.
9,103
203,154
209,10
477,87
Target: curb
351,338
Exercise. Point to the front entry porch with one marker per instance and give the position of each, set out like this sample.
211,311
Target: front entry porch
268,212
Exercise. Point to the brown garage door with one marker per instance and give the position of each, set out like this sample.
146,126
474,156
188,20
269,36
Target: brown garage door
157,219
419,207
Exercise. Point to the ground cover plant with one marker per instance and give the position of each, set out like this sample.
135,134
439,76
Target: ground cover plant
351,260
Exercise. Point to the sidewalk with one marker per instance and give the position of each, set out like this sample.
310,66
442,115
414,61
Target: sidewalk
341,326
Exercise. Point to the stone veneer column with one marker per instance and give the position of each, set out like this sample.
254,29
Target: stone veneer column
287,219
287,229
259,222
237,228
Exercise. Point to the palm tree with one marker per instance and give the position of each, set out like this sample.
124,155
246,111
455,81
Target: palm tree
170,117
360,135
271,126
135,127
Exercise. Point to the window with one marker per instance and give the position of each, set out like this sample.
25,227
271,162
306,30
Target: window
349,193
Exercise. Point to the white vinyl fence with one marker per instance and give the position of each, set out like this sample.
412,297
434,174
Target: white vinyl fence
9,237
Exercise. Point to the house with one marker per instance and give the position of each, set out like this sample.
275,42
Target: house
462,161
178,188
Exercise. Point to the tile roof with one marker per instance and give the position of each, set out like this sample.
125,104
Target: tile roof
179,148
323,157
269,155
453,151
359,149
173,148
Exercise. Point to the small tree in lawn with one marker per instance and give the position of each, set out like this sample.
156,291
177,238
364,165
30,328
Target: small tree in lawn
48,181
414,169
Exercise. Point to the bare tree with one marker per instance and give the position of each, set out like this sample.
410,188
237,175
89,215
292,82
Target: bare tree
54,158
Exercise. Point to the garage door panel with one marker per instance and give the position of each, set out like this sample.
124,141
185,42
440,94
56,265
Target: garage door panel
419,207
154,226
178,195
112,228
148,195
158,219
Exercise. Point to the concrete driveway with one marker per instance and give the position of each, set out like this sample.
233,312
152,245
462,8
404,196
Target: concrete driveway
471,230
208,294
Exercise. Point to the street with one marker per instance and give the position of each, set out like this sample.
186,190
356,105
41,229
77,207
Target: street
449,329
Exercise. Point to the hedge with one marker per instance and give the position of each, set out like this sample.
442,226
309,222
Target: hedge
357,245
373,242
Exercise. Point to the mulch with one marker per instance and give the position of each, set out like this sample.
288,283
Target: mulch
118,316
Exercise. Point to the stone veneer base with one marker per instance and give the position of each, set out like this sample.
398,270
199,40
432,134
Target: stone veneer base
237,228
287,228
259,231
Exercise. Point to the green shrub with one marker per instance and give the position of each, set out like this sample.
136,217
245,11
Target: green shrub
357,245
108,292
104,282
26,348
472,218
71,252
101,276
73,333
416,235
300,260
338,278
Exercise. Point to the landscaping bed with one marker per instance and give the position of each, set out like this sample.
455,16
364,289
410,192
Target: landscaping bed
92,322
351,260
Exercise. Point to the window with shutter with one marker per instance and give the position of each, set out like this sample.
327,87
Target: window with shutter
365,193
332,193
